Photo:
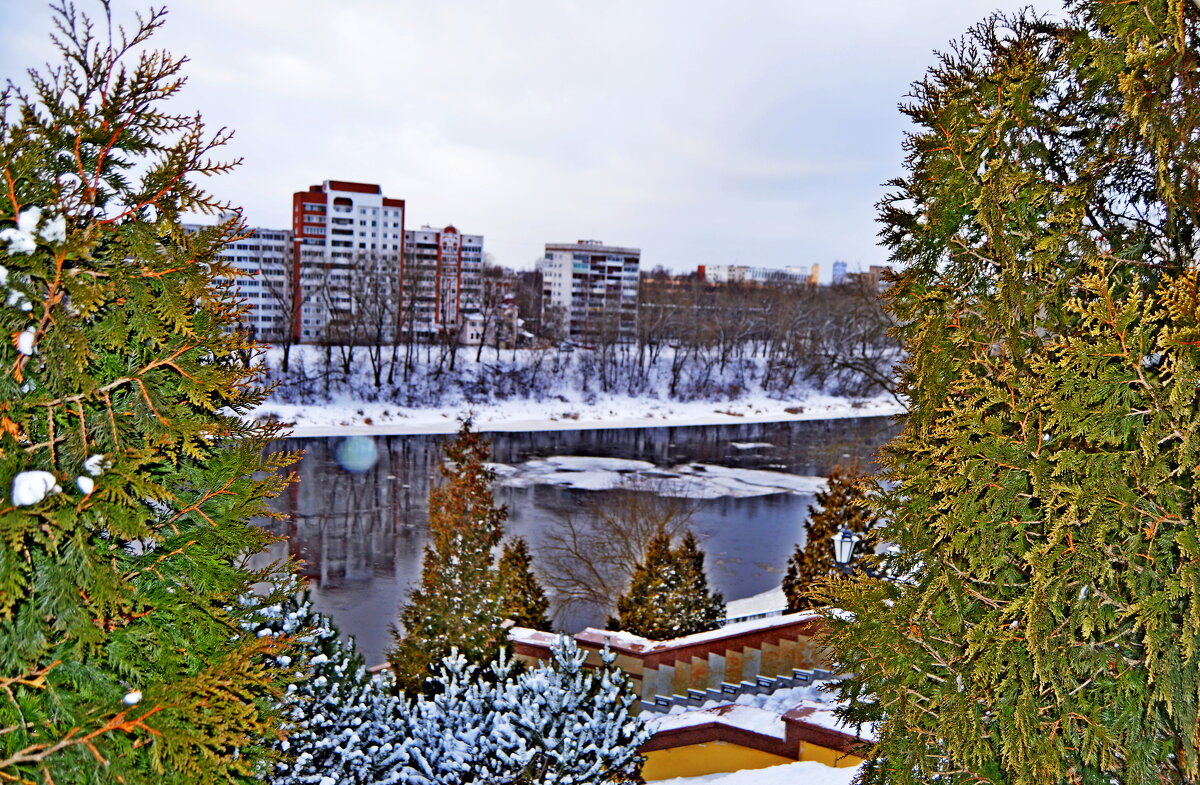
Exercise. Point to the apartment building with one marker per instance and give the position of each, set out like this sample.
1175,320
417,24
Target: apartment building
740,273
442,279
593,287
265,259
348,255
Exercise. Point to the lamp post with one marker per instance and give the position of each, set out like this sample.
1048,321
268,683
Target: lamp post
843,549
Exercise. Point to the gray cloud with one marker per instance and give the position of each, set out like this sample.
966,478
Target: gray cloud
704,132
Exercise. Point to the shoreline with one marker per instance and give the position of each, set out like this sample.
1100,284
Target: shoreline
360,418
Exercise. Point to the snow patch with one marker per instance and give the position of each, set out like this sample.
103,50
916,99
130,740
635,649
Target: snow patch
693,480
31,487
765,723
766,602
94,465
25,341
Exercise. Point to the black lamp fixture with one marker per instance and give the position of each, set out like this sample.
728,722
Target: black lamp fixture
843,549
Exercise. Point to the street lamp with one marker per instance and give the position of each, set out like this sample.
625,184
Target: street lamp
843,549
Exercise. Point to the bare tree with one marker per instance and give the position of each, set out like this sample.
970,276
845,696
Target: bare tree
591,559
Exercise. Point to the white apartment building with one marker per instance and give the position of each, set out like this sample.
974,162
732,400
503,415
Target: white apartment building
348,246
594,287
442,279
266,259
740,273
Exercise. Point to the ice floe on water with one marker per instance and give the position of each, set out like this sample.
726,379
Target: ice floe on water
690,480
750,445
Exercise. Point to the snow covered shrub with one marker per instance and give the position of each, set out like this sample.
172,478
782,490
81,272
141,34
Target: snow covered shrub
337,716
558,723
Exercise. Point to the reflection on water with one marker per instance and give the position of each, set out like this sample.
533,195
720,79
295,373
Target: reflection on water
359,536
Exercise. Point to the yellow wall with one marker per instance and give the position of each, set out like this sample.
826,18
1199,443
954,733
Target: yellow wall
839,760
711,758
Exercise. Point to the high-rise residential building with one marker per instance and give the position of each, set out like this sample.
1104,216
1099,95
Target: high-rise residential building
839,273
442,278
264,257
594,287
348,247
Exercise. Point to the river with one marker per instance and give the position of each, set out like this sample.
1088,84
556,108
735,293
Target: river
359,535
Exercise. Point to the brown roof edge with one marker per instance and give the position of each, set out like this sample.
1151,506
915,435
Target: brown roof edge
718,731
797,729
353,187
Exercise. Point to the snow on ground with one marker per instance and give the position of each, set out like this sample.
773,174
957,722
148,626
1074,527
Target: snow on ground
345,416
766,602
803,773
693,480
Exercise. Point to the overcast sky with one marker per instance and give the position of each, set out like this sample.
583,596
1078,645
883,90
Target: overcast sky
702,132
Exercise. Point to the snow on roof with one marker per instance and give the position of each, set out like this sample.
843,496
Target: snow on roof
821,714
765,723
536,637
637,644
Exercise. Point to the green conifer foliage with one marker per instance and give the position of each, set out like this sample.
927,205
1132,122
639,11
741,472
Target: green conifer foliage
840,505
524,600
458,603
669,595
126,476
1044,506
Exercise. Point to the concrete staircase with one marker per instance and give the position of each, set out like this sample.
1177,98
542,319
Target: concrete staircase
729,691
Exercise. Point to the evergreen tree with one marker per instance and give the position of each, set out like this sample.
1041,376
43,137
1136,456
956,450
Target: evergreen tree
337,717
524,600
560,722
669,595
840,505
457,604
128,476
1044,490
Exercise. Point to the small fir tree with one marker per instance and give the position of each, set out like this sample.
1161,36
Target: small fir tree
128,476
560,722
840,505
336,715
669,595
524,600
458,602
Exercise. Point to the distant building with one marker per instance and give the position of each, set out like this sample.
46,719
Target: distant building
265,257
344,233
740,273
442,280
594,287
839,273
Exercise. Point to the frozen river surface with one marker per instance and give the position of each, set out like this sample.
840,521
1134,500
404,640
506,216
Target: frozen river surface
360,535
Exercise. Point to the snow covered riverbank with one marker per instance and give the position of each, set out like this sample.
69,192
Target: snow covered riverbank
346,416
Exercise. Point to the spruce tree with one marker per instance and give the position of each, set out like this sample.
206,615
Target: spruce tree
128,478
457,604
524,600
840,505
669,595
1043,493
336,716
561,722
